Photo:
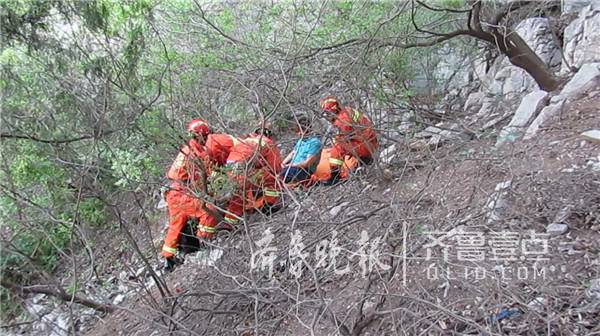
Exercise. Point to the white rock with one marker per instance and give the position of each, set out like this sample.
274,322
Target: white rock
574,6
62,324
162,204
503,185
492,123
473,101
536,32
592,135
435,140
510,81
586,78
547,113
123,276
526,112
538,304
39,298
562,215
428,132
336,209
595,166
387,155
37,309
486,109
557,229
118,299
593,292
497,201
582,37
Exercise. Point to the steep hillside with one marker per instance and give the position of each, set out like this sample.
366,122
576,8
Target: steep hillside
520,227
479,215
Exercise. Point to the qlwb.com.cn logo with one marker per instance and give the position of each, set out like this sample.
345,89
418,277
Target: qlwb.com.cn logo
472,255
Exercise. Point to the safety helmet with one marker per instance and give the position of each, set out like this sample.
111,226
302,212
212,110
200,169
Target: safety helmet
198,126
264,127
330,104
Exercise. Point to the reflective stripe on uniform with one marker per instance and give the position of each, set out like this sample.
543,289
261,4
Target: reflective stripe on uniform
355,116
169,249
231,220
336,162
205,228
271,192
258,141
234,140
329,100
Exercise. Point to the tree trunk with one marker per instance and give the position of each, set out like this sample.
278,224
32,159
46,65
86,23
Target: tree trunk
107,308
521,55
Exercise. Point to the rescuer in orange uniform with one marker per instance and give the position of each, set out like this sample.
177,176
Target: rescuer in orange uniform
356,136
254,163
188,175
219,146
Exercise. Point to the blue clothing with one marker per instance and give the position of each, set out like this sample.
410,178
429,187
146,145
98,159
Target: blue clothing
294,174
307,146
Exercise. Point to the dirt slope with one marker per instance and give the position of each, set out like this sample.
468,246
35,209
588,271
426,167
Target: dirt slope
499,204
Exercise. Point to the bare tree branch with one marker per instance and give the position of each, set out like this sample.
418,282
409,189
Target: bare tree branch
60,294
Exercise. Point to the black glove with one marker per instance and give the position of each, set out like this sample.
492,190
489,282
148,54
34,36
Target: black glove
269,209
170,263
334,178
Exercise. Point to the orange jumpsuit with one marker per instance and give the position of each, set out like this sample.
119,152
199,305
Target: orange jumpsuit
187,174
255,164
356,137
219,146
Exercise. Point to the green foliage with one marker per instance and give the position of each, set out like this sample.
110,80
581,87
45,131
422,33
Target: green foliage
92,211
32,168
96,14
456,4
134,49
128,166
179,5
38,183
40,246
225,20
220,185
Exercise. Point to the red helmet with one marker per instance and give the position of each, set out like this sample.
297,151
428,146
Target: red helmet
198,126
330,104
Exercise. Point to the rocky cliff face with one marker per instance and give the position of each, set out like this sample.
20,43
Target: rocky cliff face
582,38
487,95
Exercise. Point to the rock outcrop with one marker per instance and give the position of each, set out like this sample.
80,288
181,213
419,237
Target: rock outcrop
530,106
587,77
582,38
